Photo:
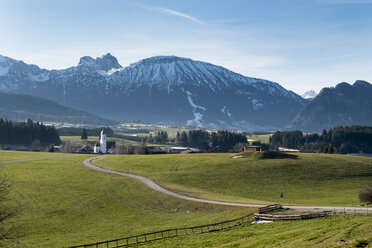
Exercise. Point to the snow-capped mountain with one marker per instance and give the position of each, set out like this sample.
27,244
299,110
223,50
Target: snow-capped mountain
164,89
309,94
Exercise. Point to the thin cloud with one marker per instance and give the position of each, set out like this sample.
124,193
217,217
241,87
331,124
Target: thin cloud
179,14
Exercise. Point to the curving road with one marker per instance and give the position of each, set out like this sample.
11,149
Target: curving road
151,184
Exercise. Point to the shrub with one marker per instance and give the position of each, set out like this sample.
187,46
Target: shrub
365,195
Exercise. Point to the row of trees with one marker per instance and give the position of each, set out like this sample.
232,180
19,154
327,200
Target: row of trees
77,131
23,133
200,139
353,139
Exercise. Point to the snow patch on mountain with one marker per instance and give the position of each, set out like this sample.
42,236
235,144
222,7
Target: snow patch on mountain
257,105
309,94
189,98
196,121
197,115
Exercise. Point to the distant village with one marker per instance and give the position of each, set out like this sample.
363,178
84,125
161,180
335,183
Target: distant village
103,146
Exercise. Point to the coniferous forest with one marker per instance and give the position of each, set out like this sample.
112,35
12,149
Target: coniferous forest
352,139
201,138
23,133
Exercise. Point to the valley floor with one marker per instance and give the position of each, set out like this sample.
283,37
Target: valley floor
63,203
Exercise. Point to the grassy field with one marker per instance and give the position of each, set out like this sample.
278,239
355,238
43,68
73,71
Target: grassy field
264,138
15,155
313,179
63,203
340,231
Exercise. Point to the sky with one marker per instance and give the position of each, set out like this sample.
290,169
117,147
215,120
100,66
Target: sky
300,44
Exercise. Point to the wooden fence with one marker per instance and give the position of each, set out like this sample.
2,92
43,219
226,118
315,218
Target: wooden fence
142,238
270,208
289,217
262,215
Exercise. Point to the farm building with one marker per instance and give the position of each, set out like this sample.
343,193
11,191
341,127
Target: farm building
252,148
180,149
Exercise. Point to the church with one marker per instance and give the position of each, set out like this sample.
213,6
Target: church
103,146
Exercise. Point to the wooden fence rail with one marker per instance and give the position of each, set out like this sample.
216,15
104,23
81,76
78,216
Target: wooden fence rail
270,208
142,238
304,216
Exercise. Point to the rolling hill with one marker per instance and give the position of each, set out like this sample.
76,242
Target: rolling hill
19,107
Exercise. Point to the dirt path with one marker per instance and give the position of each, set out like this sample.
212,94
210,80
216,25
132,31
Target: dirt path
151,184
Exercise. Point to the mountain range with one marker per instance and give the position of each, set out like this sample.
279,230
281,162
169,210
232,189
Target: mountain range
161,89
175,90
343,105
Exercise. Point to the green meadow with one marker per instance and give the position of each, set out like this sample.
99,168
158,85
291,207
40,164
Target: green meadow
15,155
311,179
339,231
263,138
62,203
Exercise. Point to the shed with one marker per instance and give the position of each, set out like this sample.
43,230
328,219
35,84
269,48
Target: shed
252,148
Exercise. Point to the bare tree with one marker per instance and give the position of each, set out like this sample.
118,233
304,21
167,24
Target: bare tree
238,147
68,148
122,148
140,149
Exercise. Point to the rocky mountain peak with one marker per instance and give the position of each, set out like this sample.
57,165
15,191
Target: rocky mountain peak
105,62
361,83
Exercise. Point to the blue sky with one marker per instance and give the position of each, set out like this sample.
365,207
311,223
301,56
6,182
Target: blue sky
301,44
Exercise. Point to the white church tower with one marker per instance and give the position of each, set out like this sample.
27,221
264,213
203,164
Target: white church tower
102,142
101,145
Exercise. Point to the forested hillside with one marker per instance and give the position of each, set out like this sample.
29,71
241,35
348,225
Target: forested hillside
353,139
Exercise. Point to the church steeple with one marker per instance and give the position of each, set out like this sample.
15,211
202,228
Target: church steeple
102,142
